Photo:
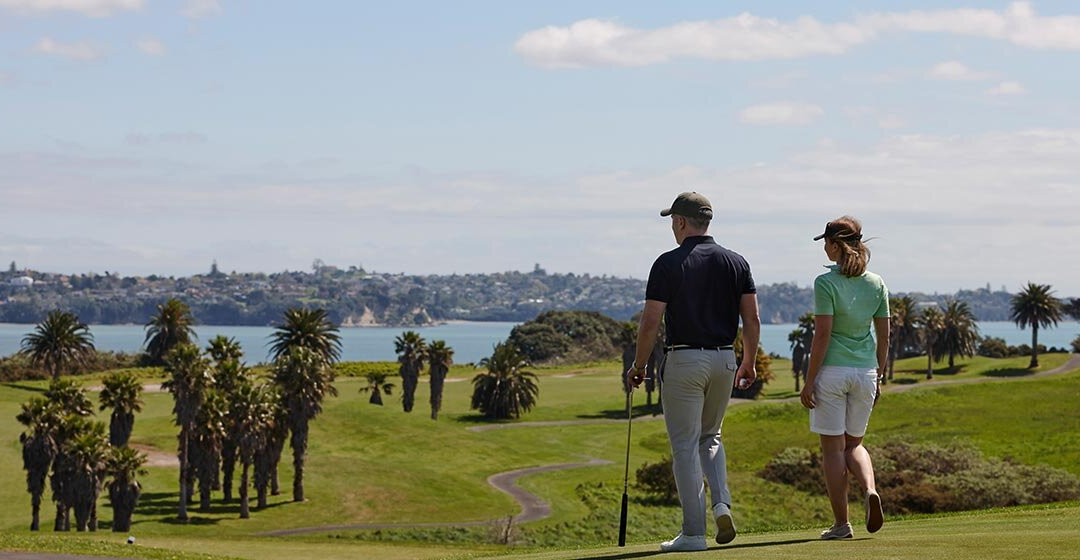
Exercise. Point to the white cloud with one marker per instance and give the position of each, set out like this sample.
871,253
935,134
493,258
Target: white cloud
956,71
186,138
201,8
1007,88
151,46
781,113
73,51
92,8
596,42
890,122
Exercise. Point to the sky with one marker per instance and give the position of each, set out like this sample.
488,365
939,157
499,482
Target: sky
139,136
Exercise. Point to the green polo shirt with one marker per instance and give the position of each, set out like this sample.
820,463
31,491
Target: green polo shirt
853,302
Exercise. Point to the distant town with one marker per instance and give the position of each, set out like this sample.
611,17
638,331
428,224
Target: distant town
356,297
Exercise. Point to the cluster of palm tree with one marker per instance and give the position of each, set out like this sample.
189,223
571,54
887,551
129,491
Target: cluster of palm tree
63,447
506,389
225,416
413,351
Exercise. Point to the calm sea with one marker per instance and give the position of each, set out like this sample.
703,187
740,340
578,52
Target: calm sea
471,341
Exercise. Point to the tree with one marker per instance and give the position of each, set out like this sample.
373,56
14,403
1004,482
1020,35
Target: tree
122,393
1035,306
222,349
505,390
1072,308
931,323
377,385
1076,344
251,413
170,327
59,342
206,443
800,340
189,379
64,410
960,335
229,377
763,365
87,453
122,466
411,349
440,358
39,448
903,330
306,328
304,380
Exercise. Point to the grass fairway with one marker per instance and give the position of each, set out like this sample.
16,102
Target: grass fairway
370,464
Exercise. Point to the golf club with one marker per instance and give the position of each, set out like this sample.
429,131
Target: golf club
626,473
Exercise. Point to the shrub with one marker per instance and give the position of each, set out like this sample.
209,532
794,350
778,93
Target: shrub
798,467
568,336
763,364
993,347
1076,344
658,480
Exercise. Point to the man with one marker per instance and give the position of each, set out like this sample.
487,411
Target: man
702,290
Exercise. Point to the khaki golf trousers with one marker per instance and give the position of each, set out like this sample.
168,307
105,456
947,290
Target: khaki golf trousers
697,387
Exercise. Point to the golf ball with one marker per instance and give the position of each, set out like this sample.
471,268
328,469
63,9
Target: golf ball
743,384
131,540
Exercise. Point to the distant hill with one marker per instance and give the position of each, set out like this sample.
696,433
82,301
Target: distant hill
355,297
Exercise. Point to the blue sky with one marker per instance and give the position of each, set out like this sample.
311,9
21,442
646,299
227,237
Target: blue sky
431,137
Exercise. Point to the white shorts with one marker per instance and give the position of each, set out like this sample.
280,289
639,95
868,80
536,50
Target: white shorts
843,397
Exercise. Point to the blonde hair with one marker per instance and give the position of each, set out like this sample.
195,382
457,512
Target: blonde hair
846,232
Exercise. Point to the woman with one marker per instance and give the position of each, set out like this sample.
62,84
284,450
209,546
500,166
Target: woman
842,382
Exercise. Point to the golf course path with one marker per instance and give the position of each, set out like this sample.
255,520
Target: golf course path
532,507
48,556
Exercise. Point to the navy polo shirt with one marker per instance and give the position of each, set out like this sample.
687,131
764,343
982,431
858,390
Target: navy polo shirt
702,284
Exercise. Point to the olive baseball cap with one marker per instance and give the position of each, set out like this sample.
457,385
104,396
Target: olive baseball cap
690,204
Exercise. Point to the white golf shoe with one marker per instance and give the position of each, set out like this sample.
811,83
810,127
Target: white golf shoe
684,543
725,524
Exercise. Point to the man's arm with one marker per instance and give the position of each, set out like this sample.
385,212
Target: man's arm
646,338
751,336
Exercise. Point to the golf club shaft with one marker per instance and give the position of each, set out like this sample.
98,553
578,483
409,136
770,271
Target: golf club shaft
626,472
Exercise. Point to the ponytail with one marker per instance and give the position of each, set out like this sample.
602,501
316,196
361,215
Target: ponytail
854,254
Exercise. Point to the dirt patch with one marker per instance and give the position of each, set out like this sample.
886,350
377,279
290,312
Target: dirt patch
156,457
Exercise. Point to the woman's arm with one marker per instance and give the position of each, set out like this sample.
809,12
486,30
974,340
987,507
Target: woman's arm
822,333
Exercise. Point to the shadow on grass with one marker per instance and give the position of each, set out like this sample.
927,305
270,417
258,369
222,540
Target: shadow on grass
166,504
903,381
1008,372
480,419
23,386
648,553
619,414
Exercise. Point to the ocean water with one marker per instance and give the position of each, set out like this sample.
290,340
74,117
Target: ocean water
471,341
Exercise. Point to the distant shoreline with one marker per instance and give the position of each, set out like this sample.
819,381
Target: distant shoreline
343,326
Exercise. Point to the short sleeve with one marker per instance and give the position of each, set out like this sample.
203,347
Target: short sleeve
658,287
748,286
883,305
823,297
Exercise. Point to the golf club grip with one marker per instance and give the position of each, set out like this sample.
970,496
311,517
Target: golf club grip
622,521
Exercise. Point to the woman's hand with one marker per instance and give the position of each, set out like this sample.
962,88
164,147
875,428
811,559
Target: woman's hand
807,396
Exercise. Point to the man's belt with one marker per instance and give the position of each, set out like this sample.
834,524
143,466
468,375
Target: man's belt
675,347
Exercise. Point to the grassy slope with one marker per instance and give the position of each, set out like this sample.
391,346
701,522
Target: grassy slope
371,464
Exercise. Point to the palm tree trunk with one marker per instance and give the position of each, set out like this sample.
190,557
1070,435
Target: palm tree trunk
228,464
244,512
182,514
35,506
952,362
376,396
929,361
299,447
1034,346
92,525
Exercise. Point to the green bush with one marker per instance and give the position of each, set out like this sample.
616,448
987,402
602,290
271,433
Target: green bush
1076,344
658,480
993,347
923,478
568,337
18,367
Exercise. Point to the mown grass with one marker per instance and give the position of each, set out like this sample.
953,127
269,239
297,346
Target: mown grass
370,464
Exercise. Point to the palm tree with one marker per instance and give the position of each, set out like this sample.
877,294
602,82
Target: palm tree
377,385
1035,305
800,340
206,443
903,330
70,397
122,393
87,453
506,390
39,448
440,358
304,379
171,327
306,328
251,413
961,333
59,342
66,406
223,349
189,378
229,377
123,465
410,348
931,324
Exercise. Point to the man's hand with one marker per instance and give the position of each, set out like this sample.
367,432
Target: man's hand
635,376
745,377
807,396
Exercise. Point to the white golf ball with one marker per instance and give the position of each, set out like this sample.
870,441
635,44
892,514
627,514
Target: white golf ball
131,540
743,384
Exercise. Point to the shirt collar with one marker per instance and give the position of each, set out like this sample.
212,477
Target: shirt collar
698,240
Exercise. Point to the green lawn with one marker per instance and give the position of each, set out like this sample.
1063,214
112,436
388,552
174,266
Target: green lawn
372,464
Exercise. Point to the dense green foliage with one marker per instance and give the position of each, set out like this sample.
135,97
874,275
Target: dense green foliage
58,343
1036,307
505,390
568,336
